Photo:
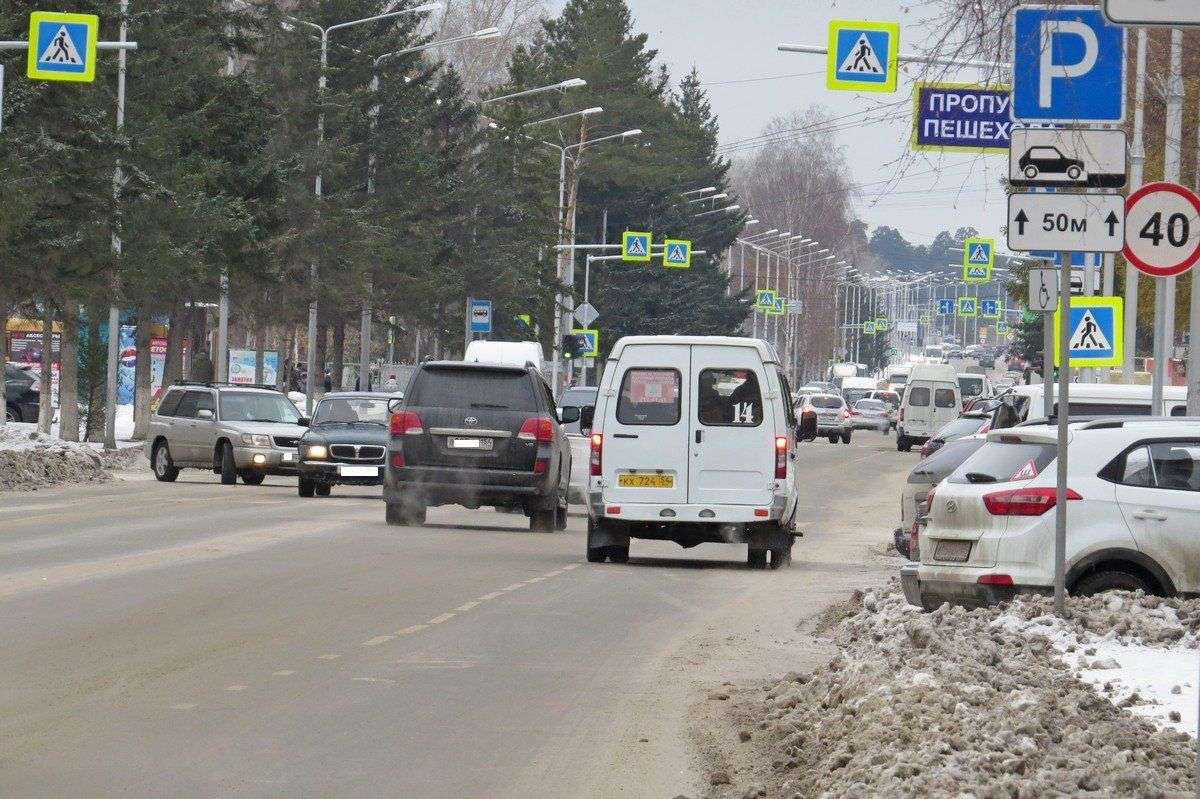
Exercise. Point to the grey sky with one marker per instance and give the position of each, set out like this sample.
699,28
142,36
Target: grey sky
734,40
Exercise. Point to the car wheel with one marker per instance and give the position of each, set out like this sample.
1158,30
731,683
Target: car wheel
542,520
164,467
413,514
1099,582
781,557
756,558
846,437
306,488
833,439
560,518
1074,172
323,489
391,513
903,444
11,413
1031,172
228,466
253,478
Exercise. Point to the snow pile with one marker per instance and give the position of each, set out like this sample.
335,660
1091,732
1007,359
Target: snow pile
958,703
30,460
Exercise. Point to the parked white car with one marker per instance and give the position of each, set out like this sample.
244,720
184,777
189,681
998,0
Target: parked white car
694,442
1134,509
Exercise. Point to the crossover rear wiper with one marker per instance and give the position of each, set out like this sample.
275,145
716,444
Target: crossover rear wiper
979,477
489,405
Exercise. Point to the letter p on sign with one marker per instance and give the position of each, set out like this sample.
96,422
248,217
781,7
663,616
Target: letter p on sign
1086,62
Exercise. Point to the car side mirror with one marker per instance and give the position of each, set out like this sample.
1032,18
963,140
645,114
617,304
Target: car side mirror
568,414
205,414
394,404
304,421
587,417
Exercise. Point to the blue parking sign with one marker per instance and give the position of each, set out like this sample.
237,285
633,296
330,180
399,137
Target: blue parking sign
1068,66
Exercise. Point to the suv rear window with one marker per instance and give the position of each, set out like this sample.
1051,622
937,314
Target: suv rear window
825,402
918,397
473,388
999,462
650,396
730,397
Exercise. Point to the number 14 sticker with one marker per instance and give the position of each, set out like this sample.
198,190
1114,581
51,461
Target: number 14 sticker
1162,229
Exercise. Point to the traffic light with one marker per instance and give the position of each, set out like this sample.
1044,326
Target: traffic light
574,345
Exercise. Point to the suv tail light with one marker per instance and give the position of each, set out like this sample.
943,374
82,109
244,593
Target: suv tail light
1024,501
537,428
406,423
781,456
597,453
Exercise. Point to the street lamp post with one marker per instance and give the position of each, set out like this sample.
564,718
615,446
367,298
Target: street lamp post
322,81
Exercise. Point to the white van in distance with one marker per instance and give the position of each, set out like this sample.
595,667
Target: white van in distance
694,442
932,398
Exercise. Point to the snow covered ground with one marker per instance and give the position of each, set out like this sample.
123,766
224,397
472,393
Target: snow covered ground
30,460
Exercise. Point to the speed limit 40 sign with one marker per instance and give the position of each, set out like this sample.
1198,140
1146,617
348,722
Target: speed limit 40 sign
1162,223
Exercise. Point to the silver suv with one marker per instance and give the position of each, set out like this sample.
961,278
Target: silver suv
233,430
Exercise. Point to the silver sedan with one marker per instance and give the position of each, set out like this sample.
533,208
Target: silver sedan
869,414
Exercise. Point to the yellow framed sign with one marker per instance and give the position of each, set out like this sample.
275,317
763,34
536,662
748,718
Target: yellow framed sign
863,56
62,47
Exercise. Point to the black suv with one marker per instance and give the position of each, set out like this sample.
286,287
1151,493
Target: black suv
477,434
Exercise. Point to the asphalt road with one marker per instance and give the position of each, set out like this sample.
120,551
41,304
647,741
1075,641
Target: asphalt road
192,639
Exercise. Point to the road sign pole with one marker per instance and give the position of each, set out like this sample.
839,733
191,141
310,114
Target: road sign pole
1064,407
1164,290
1048,364
1137,157
114,312
467,324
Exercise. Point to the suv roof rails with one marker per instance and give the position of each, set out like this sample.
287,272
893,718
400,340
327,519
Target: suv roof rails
1109,422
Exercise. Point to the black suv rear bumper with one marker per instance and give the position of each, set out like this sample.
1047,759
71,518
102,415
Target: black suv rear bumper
433,485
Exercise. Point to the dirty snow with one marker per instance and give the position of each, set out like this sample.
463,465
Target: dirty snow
31,460
983,703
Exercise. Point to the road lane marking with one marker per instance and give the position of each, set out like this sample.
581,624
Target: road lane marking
441,618
378,680
329,656
464,607
416,628
283,673
533,580
183,706
236,688
513,587
554,573
570,566
377,640
491,596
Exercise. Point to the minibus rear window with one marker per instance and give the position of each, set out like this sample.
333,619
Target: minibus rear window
650,397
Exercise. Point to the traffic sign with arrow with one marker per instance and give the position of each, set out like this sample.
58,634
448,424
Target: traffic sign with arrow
1066,222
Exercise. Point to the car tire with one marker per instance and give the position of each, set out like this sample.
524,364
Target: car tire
756,558
306,488
846,437
903,444
229,474
323,489
253,478
1031,172
12,413
391,512
543,520
560,518
165,470
781,557
1101,581
833,439
413,514
1074,172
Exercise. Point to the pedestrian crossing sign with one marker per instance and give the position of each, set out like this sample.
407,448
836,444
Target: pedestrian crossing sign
979,256
1097,332
635,246
924,318
863,56
592,337
779,308
968,307
881,325
62,46
677,254
764,299
868,328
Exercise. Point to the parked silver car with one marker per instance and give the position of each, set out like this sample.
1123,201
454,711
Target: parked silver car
234,431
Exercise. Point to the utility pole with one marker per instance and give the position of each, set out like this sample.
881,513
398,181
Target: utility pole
114,312
1164,288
